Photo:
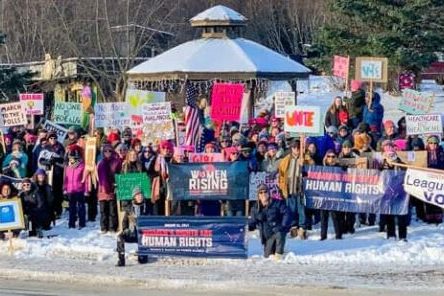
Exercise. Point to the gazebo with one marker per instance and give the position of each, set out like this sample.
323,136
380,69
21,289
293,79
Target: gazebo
220,55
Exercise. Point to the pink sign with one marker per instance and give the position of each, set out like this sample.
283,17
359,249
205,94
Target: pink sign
32,102
226,101
206,157
340,66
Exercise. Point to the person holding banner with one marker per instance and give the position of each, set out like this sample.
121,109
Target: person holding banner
35,208
7,191
17,160
373,114
273,219
355,104
435,160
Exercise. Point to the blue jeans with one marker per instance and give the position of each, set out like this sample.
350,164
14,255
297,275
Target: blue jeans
297,208
76,207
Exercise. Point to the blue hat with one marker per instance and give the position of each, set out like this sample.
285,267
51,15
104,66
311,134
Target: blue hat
40,172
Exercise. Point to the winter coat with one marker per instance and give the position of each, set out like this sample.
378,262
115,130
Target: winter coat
438,162
22,157
323,144
274,218
73,181
356,103
106,171
373,115
340,117
385,137
284,165
129,221
270,165
35,206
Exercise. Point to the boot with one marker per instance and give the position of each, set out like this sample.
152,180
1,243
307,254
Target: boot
121,260
302,233
142,259
294,232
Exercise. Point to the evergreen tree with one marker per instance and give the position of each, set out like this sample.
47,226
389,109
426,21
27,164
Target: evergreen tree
408,32
11,81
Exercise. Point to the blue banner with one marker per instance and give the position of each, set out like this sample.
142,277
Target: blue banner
355,190
215,181
192,236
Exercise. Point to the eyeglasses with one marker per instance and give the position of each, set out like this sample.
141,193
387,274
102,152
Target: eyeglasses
436,143
52,138
26,185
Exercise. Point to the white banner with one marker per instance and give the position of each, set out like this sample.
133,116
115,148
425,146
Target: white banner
423,124
426,186
111,115
59,130
13,114
157,122
282,99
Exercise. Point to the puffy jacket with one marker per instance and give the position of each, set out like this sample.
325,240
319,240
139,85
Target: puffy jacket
373,115
106,171
35,205
356,103
73,179
269,220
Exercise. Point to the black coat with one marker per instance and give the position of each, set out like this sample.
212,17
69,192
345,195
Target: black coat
270,220
35,206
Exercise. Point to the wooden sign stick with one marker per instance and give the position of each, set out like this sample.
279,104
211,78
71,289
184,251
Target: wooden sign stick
406,166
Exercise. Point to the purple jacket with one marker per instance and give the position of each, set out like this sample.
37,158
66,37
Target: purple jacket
106,171
73,179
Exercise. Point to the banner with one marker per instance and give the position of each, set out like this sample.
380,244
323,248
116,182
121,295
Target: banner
111,115
423,124
67,113
157,122
426,186
415,102
371,69
215,181
205,157
414,158
16,182
11,214
269,179
58,129
355,190
303,120
226,101
127,182
341,66
90,153
12,114
192,236
32,103
282,99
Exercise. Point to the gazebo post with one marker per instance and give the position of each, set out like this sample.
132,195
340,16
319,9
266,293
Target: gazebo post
251,100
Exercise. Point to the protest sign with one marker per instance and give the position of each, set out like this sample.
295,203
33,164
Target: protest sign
157,122
219,180
111,115
13,114
426,186
192,236
406,80
413,158
423,124
269,179
127,182
90,153
282,99
16,182
135,98
355,190
341,66
205,157
59,130
303,119
415,102
371,69
11,214
180,133
353,162
67,113
226,101
32,103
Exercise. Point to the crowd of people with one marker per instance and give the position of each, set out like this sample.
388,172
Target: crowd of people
53,177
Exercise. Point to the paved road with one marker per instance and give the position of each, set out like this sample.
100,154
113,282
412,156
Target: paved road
27,288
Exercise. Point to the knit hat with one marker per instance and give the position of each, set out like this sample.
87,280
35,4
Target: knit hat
332,129
40,172
342,127
355,85
389,123
347,143
362,127
52,134
272,146
136,191
74,151
432,140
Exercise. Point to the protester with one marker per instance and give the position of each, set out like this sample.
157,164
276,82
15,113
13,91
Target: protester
337,114
273,219
373,113
16,161
35,208
435,160
355,104
45,190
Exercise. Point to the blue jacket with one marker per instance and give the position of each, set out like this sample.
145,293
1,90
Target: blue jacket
270,220
373,116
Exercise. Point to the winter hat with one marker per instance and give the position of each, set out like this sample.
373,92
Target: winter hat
433,140
113,137
332,129
355,85
347,143
52,134
26,180
210,145
40,172
74,151
136,191
164,144
272,146
15,161
362,127
400,144
389,123
343,127
72,129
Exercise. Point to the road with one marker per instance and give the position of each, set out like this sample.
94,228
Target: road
30,288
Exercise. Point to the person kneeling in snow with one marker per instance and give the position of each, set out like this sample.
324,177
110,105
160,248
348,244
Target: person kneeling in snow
273,219
129,230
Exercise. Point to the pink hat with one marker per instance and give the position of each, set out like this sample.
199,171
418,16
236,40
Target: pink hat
388,123
355,85
164,144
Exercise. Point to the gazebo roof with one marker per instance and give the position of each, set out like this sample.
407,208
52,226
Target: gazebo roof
218,15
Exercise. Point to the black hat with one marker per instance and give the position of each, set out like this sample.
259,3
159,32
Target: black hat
363,127
295,143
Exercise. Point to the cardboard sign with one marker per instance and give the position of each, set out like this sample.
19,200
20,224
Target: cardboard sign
415,102
58,129
424,124
157,122
341,66
205,157
426,186
355,162
226,101
413,158
90,153
127,182
67,113
371,69
111,115
32,103
11,214
303,119
282,99
12,114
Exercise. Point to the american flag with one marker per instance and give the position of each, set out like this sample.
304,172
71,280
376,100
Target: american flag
192,121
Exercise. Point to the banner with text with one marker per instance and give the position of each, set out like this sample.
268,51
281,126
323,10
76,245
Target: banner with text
303,120
12,114
226,101
192,236
282,99
269,179
215,181
111,115
426,186
355,190
127,182
58,129
415,102
423,124
33,103
157,122
341,66
67,113
205,157
372,69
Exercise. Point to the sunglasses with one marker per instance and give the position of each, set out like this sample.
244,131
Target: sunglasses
331,156
26,185
436,143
